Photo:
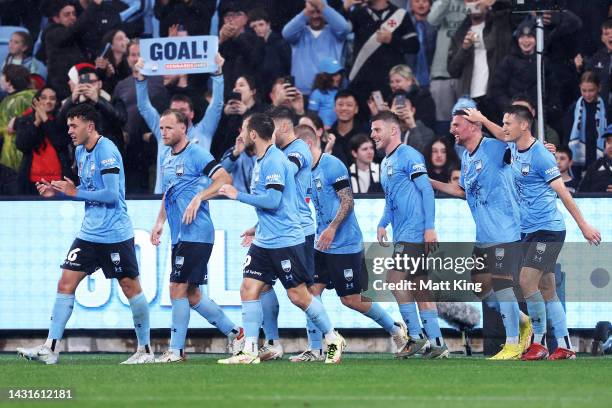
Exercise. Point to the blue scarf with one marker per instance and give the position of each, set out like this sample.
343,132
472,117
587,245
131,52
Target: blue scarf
577,142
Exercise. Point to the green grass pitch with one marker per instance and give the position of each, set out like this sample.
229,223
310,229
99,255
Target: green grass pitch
362,380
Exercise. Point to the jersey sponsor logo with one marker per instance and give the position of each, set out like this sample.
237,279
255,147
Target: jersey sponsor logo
499,253
286,265
273,178
552,170
478,165
109,162
419,167
180,170
525,169
116,258
348,274
179,261
341,178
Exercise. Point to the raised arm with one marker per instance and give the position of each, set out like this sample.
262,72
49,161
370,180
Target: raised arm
474,115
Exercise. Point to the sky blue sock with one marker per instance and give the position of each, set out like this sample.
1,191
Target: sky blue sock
252,317
315,337
411,317
431,326
269,305
62,309
211,311
381,317
491,301
537,313
510,312
316,312
140,315
180,322
556,314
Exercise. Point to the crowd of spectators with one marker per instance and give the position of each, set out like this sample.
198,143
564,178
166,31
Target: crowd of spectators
335,63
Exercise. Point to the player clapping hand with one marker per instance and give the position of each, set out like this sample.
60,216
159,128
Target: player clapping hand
65,186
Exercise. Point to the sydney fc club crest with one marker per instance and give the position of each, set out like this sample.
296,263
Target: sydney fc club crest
286,265
525,169
478,165
348,274
499,253
179,261
116,258
318,184
180,170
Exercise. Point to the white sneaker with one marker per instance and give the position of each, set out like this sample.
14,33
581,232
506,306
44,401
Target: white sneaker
243,357
42,353
400,338
307,356
335,349
140,357
271,352
236,345
170,356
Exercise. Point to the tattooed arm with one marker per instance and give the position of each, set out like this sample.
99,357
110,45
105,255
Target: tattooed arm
346,206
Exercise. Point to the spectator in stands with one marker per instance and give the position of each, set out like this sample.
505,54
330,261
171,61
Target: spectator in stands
20,53
585,123
455,176
440,159
61,43
194,16
564,163
517,72
87,88
244,102
276,60
480,43
598,177
593,14
314,121
242,49
15,81
346,127
421,62
139,149
403,82
550,134
364,172
113,67
384,33
201,132
414,132
239,161
316,33
284,93
326,85
103,16
600,63
446,16
43,143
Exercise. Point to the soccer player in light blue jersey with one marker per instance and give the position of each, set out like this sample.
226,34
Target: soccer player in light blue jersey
486,183
538,183
106,238
277,250
339,258
410,209
190,177
299,155
201,132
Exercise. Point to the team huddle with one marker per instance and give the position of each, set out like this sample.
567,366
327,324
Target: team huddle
511,184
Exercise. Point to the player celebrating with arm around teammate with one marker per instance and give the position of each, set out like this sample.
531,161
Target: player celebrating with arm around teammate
538,183
338,255
486,183
106,238
277,250
410,209
190,177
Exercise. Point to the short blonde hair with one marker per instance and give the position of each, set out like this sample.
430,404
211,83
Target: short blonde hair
404,71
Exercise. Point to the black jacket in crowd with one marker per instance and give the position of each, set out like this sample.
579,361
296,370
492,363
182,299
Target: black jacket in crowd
374,74
194,16
276,62
242,56
423,102
598,176
29,138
